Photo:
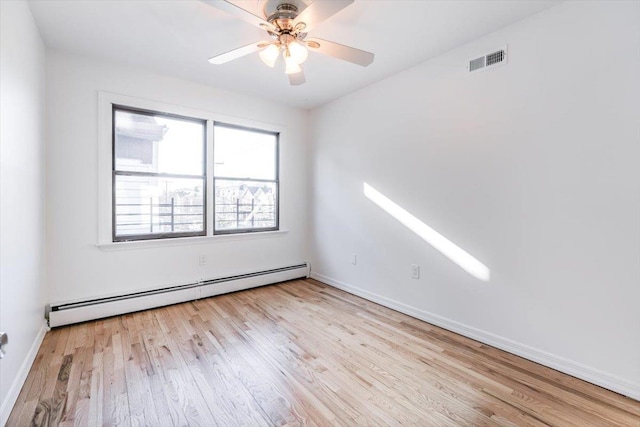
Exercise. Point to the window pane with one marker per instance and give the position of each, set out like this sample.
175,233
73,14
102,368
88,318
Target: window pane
158,144
152,205
242,153
244,204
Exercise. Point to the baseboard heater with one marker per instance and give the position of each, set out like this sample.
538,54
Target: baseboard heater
82,311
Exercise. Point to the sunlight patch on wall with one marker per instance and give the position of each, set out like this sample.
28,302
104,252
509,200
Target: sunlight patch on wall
429,235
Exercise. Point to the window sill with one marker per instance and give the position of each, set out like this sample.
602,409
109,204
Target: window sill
186,241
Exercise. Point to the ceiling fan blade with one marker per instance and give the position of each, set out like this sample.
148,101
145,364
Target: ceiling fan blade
238,53
320,10
235,9
297,79
340,51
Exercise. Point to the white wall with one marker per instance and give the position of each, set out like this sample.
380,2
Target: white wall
22,203
532,167
76,268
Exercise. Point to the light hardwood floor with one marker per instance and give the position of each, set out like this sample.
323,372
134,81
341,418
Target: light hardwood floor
296,353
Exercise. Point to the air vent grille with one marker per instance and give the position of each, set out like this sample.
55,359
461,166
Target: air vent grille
476,64
493,59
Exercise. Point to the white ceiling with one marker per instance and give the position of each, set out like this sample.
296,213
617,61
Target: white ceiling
177,37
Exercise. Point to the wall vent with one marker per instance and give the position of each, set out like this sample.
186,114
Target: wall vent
476,64
490,60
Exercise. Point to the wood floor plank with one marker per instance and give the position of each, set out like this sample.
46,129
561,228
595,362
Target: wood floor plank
299,353
96,393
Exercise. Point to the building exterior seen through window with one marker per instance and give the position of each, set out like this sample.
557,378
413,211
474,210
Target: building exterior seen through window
160,177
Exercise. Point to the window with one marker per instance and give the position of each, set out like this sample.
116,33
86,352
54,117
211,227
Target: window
245,179
168,172
159,175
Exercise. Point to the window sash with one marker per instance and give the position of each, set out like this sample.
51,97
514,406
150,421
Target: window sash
115,173
275,181
236,230
135,214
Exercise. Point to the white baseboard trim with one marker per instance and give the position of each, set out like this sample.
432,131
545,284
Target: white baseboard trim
559,363
12,395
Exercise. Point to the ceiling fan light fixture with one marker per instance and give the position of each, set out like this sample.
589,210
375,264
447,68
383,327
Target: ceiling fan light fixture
298,52
287,28
269,55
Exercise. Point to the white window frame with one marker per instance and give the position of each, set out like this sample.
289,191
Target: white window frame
106,100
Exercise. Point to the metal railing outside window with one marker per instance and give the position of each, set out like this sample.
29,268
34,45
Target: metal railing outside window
165,217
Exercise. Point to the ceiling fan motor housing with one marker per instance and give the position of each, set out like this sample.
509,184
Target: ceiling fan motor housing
283,18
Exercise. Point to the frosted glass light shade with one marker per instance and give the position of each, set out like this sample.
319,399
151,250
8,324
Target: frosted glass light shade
298,52
292,67
269,55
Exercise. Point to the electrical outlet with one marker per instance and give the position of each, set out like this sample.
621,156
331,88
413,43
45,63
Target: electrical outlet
202,260
415,271
354,259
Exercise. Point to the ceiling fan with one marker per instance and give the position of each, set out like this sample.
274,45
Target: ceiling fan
287,23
